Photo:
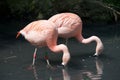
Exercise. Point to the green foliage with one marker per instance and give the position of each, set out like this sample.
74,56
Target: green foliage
17,5
22,8
113,2
88,10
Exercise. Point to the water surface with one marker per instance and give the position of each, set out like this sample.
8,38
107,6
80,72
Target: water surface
16,57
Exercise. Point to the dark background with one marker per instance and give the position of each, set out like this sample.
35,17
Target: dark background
16,14
90,11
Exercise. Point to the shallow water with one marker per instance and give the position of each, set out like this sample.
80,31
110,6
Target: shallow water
16,58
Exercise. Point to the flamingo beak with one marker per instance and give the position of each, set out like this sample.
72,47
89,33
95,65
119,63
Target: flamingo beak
18,34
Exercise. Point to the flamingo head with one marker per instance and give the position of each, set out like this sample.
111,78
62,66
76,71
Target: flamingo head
99,49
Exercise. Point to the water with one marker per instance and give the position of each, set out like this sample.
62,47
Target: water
16,57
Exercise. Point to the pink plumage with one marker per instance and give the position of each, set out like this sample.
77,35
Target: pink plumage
70,25
44,33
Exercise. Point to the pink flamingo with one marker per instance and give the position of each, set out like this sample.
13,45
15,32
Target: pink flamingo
43,33
70,25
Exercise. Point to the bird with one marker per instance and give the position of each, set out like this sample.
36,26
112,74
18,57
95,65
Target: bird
42,33
70,25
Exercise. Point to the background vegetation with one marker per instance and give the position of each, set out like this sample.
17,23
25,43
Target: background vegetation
91,11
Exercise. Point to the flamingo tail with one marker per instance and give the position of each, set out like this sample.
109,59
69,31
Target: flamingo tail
18,34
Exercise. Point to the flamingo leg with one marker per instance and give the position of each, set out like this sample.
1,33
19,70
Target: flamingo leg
34,56
48,63
47,60
66,41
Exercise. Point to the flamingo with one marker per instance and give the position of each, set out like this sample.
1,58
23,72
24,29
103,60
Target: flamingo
44,33
70,25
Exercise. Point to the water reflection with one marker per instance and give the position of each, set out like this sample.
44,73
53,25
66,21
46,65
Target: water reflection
94,76
99,66
66,75
35,73
55,73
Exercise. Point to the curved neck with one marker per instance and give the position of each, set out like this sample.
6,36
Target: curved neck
90,39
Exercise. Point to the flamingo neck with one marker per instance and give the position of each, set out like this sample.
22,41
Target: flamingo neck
99,46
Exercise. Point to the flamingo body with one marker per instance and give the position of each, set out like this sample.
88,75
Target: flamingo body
70,25
39,32
43,33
